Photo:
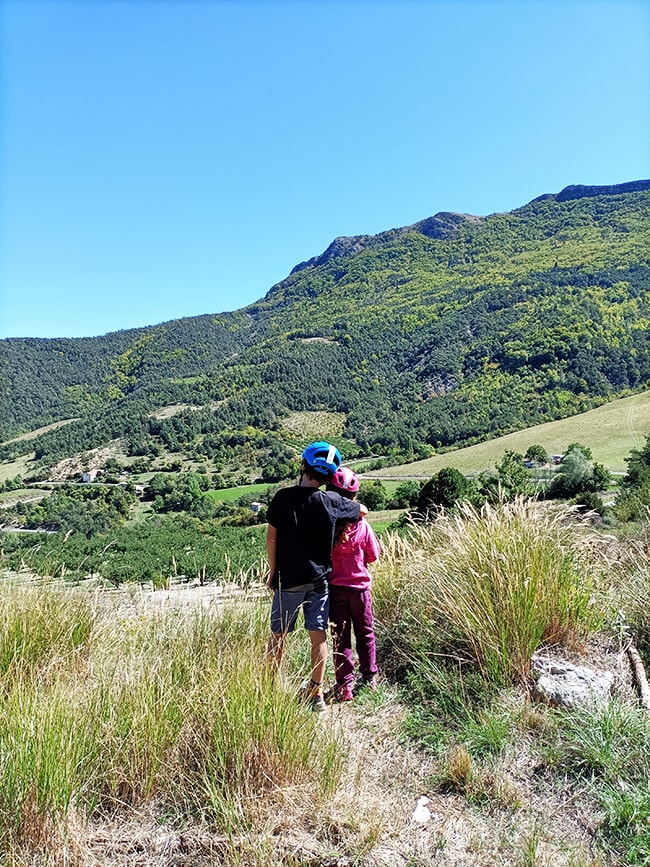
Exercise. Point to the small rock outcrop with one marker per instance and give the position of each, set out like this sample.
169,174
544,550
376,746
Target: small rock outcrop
441,225
587,191
564,684
343,246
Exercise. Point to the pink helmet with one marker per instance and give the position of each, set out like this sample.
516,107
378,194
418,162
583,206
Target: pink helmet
345,480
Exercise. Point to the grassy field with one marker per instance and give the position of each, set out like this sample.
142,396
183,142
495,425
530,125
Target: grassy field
381,521
229,495
610,431
41,430
25,495
11,469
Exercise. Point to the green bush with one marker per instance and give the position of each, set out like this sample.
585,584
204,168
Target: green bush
606,749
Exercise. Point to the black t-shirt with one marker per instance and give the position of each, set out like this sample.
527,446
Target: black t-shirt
305,519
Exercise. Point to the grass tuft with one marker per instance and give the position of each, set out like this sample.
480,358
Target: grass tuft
491,586
607,748
42,627
179,708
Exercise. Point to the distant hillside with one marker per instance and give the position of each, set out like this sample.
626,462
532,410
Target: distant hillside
452,330
611,431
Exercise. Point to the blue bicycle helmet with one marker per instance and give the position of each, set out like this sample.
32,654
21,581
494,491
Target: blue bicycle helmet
323,457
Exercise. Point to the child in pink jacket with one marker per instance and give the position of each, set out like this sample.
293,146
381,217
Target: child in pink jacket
355,546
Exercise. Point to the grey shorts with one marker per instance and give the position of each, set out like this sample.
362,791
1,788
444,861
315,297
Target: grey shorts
287,604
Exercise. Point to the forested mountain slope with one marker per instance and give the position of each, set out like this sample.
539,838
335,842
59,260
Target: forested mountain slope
454,329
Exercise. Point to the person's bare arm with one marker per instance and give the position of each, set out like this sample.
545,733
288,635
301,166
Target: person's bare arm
363,510
271,551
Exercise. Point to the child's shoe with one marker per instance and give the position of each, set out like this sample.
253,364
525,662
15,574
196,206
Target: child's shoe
343,692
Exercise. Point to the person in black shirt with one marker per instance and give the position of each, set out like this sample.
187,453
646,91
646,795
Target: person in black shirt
301,524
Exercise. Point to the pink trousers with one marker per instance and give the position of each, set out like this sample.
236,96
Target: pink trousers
352,609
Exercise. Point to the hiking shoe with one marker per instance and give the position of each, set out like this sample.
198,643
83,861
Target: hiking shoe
317,703
343,692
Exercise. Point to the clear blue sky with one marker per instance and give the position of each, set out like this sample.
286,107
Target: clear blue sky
168,158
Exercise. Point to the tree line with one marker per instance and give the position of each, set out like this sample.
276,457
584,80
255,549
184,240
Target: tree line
191,534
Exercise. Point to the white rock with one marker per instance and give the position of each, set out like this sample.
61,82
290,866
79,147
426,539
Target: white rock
567,685
422,813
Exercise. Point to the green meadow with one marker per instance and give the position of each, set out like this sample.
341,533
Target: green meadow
229,495
611,431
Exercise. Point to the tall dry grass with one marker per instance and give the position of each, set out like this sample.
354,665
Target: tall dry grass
489,585
40,631
628,592
178,708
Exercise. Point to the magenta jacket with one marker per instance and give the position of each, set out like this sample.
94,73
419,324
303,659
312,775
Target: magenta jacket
358,547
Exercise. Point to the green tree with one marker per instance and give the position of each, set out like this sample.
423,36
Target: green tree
162,484
578,475
372,494
585,450
638,468
405,495
510,479
634,498
444,490
537,453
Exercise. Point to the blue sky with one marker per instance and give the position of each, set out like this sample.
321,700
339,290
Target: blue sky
161,159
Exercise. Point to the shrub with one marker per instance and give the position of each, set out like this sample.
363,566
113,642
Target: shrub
405,496
578,475
372,494
445,489
536,453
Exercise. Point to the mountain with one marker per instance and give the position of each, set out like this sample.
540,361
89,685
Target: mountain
451,330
